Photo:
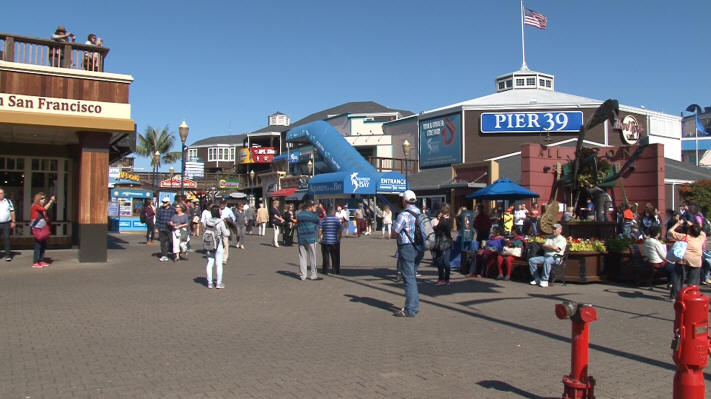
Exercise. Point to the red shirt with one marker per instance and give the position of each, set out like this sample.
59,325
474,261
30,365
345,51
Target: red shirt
37,210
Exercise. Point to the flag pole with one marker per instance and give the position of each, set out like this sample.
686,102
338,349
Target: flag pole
524,67
696,128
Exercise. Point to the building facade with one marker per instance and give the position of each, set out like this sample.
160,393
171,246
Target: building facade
60,127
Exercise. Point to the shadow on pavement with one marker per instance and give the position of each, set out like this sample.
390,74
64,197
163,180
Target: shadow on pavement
532,330
428,288
506,387
289,274
114,242
376,303
200,280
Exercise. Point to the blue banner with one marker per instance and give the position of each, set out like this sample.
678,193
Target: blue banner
392,182
294,156
531,122
351,182
441,141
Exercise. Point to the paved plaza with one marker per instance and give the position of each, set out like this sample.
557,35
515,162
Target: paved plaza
139,328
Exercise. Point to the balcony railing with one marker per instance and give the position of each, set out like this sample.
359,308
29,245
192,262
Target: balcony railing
36,51
393,164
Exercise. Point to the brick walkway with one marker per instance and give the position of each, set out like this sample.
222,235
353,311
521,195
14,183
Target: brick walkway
139,328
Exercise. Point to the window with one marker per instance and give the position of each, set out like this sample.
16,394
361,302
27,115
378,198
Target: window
192,153
548,83
501,85
519,82
530,81
509,84
215,154
541,82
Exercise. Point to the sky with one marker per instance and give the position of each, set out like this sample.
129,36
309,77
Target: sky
224,66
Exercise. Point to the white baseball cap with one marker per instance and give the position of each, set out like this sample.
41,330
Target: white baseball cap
409,196
166,199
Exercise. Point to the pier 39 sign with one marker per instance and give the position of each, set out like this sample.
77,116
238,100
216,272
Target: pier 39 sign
531,122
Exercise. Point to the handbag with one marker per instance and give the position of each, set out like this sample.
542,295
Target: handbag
677,251
196,219
40,229
512,251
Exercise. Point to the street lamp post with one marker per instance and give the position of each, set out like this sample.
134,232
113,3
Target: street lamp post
251,184
156,159
183,131
406,150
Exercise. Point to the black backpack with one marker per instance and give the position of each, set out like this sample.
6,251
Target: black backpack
142,216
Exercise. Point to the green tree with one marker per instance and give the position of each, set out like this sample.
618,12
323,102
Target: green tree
698,192
162,141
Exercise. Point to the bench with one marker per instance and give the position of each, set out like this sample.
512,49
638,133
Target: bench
521,271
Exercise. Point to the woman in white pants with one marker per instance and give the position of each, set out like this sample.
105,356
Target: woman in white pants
215,257
387,221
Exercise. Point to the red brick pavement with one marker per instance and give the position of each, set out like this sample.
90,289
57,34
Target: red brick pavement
139,328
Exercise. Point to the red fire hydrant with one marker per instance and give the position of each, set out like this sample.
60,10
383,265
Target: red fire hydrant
578,385
691,343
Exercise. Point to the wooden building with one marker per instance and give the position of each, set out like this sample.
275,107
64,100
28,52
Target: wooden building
60,127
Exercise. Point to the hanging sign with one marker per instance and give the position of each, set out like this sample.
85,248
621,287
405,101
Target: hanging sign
175,183
440,141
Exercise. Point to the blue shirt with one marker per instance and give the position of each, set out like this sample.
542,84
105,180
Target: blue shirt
330,227
163,216
404,225
306,227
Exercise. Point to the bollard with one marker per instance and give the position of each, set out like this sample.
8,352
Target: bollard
691,343
578,385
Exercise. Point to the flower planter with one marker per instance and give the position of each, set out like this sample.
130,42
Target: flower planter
584,267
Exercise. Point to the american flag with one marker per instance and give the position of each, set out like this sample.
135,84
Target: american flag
533,18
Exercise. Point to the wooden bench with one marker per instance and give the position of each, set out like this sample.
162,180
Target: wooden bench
520,269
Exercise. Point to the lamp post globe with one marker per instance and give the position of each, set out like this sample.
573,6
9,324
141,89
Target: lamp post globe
183,130
406,151
310,165
251,183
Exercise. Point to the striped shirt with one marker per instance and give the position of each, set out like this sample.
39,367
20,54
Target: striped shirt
330,227
306,227
405,225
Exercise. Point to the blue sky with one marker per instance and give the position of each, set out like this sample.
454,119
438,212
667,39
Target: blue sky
224,66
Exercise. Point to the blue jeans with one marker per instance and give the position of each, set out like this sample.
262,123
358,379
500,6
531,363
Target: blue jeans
547,262
705,265
408,260
441,260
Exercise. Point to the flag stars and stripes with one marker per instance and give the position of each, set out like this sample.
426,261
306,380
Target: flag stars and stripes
535,19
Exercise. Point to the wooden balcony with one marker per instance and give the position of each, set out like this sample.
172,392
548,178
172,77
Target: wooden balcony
37,51
393,164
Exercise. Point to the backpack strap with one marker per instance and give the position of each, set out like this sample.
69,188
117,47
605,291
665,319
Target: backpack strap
417,221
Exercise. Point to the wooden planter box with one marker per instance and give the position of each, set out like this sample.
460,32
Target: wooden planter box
620,267
584,267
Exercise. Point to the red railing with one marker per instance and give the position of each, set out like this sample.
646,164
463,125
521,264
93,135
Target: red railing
36,51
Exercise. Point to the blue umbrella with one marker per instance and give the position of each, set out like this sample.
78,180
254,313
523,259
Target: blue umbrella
503,189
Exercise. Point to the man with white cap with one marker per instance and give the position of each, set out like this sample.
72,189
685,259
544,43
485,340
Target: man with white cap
409,252
163,216
553,250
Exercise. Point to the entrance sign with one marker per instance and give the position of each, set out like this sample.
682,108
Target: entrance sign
631,130
440,141
531,122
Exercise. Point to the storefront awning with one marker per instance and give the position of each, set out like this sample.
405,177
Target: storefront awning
131,193
284,192
297,196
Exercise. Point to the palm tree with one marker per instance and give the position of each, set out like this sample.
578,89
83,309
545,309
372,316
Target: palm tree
161,141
